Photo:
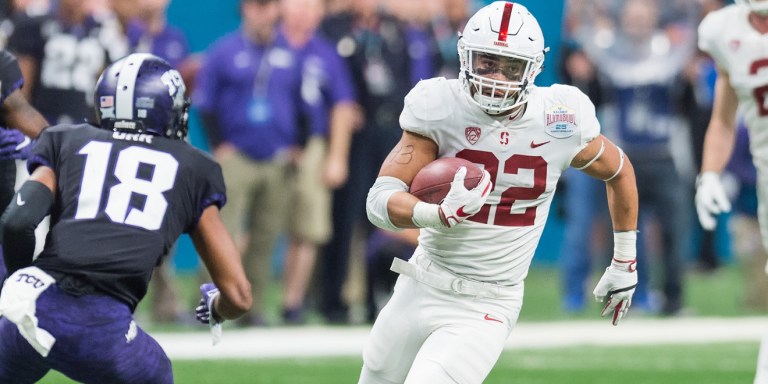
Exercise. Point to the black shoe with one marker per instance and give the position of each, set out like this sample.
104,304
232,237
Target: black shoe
293,316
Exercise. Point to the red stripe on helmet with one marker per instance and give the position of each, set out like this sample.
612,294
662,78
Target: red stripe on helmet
505,21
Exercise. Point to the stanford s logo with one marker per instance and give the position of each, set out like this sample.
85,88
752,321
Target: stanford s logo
504,138
472,134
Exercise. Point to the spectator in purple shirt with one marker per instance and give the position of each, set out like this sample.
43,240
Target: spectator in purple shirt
248,96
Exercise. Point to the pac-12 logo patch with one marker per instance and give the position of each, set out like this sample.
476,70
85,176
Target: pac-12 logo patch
472,134
560,121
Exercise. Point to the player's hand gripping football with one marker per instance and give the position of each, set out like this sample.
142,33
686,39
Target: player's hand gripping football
460,202
205,312
711,199
616,288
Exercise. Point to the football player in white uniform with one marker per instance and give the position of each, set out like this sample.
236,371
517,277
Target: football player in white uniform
735,38
458,298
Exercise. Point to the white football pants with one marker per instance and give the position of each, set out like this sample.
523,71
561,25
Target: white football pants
428,335
761,376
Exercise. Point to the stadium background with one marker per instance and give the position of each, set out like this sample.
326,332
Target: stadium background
204,21
540,351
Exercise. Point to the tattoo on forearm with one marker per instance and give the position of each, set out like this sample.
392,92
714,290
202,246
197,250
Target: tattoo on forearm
401,154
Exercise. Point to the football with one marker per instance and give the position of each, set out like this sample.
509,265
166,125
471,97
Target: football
433,181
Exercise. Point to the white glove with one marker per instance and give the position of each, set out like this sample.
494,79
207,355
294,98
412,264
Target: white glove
617,285
460,202
711,199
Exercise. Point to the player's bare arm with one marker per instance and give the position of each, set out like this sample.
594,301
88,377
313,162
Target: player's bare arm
46,176
405,160
721,131
605,161
411,154
21,115
711,199
222,259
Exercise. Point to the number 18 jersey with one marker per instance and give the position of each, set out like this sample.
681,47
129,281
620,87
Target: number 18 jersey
525,158
122,200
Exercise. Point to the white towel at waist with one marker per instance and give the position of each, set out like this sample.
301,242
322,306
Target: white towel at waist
18,304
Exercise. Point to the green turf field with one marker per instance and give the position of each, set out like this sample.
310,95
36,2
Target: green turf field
716,294
731,363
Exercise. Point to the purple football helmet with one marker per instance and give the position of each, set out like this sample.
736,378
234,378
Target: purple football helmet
142,93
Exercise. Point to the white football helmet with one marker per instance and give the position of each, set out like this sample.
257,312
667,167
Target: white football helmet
757,6
501,51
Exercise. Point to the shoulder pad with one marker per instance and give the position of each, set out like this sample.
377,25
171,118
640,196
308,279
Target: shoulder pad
711,27
426,100
567,94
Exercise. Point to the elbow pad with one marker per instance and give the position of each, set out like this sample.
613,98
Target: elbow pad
29,207
378,196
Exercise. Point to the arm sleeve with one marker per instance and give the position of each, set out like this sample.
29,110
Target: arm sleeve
31,204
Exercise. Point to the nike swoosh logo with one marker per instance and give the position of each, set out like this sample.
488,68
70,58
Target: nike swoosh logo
536,145
19,201
460,212
492,319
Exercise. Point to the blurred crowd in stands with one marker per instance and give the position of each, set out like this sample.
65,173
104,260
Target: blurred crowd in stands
300,106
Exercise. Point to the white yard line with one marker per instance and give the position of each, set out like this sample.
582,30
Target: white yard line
317,341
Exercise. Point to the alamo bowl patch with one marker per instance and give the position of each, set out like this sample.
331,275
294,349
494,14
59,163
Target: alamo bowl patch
560,121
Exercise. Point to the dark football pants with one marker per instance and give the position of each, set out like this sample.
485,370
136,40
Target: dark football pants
96,342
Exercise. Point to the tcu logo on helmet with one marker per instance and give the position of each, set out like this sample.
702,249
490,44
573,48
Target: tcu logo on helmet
472,134
176,88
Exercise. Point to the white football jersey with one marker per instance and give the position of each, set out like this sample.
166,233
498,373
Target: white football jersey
740,50
525,158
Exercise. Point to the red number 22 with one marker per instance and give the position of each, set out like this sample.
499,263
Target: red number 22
512,165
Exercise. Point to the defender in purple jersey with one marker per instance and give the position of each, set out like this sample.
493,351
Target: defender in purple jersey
119,195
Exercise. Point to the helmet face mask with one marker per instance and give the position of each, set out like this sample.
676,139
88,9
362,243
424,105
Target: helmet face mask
501,52
142,93
759,7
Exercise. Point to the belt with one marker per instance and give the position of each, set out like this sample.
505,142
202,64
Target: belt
452,283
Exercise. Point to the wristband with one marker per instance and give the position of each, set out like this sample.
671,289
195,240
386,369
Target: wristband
625,246
426,215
